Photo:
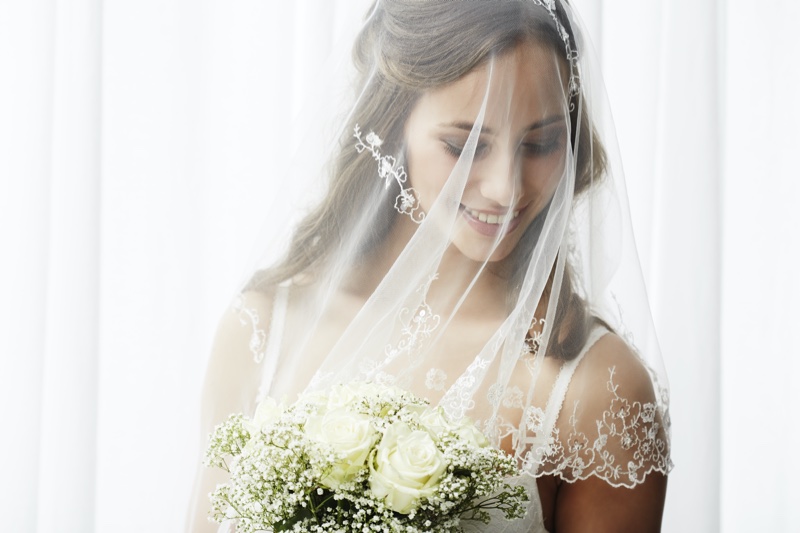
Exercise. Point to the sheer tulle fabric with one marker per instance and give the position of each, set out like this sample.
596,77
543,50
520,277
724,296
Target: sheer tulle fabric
465,235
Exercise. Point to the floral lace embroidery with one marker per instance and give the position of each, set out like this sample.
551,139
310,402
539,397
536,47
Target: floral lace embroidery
633,426
534,419
258,337
533,340
435,379
388,170
417,327
460,397
511,397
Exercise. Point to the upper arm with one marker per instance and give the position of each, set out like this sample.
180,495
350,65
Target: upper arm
233,373
593,505
615,453
231,383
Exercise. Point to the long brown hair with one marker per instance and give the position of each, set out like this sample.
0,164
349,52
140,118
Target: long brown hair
404,48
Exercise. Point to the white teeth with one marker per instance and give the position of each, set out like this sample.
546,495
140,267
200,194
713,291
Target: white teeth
490,219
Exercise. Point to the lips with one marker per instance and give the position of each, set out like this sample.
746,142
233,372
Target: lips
491,224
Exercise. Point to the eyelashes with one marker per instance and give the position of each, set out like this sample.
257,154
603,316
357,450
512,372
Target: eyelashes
452,149
455,149
532,149
548,146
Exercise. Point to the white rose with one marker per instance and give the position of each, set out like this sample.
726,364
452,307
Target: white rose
342,396
267,412
435,421
318,399
351,435
406,467
467,431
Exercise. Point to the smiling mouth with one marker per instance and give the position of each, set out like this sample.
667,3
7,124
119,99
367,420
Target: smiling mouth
491,218
492,224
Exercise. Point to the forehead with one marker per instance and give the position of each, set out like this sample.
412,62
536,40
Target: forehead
521,86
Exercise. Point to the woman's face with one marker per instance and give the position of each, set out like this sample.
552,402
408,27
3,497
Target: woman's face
520,154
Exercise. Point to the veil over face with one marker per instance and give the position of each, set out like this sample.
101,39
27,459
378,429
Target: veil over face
471,243
520,155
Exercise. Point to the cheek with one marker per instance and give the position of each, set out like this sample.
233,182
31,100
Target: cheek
428,171
541,176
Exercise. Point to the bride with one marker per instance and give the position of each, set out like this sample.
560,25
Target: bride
471,245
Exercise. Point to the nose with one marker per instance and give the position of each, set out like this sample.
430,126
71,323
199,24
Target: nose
499,178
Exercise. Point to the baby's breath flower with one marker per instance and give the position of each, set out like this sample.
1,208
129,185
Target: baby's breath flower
280,475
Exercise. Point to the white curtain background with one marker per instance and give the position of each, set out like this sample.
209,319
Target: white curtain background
135,139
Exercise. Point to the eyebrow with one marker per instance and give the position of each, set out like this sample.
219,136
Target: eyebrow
467,126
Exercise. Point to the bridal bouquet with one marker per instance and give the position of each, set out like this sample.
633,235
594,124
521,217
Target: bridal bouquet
361,457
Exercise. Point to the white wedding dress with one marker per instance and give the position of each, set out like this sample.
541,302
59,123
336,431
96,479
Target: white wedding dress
464,212
266,348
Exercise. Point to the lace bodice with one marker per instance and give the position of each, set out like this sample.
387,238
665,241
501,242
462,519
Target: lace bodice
605,384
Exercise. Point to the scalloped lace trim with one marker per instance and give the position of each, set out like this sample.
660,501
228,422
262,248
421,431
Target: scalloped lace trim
632,426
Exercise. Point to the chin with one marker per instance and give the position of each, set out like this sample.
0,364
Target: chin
482,248
479,249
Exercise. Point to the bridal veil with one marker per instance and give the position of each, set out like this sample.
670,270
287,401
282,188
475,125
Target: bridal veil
458,226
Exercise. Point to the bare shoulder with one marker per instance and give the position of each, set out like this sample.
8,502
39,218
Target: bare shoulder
234,371
612,423
242,329
612,368
612,430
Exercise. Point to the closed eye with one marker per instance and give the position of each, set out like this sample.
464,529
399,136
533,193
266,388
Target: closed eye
456,149
544,147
